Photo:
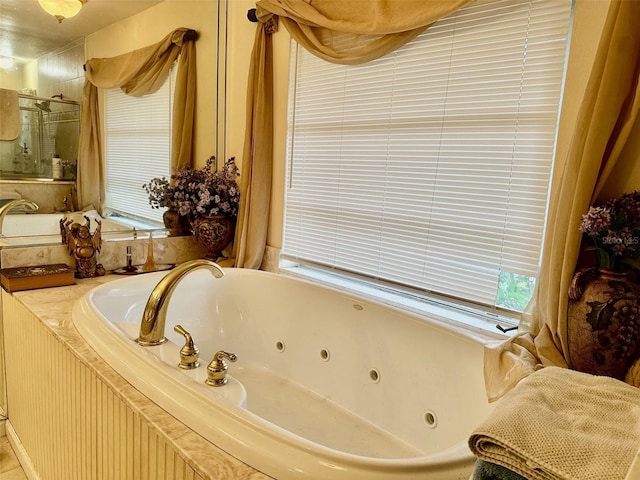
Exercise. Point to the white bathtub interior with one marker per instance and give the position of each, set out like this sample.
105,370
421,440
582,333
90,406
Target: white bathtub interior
272,398
21,229
319,372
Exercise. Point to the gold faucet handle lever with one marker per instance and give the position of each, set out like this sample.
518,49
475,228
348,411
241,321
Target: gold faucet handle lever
218,357
189,353
217,369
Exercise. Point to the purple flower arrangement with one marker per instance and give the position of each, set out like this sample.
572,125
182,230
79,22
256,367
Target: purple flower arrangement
613,232
197,192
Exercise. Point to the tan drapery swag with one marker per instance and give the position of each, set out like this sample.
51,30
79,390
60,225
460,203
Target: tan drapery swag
373,28
606,117
137,73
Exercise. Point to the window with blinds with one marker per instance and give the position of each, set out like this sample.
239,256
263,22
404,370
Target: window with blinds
430,167
137,148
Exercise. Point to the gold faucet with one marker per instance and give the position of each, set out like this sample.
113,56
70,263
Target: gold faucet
217,369
4,209
155,312
189,353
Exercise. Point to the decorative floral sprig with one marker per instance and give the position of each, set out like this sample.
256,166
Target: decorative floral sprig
161,194
196,192
613,231
69,166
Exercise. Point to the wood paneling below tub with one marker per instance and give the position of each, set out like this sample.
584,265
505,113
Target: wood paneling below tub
72,425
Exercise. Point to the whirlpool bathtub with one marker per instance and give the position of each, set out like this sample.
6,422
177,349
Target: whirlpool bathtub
326,386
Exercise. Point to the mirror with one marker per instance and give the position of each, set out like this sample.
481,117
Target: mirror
47,145
42,58
47,60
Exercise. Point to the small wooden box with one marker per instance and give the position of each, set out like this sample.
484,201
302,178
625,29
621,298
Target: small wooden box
36,276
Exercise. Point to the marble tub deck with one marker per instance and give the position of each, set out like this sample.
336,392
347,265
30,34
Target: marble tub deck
53,306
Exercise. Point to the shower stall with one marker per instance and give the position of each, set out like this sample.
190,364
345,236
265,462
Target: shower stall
47,147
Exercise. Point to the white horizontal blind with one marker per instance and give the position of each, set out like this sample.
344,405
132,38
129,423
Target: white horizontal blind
137,147
430,167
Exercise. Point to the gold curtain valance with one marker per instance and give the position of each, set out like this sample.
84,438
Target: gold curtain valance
142,71
137,73
367,29
346,32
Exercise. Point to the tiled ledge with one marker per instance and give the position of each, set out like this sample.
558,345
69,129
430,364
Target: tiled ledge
112,255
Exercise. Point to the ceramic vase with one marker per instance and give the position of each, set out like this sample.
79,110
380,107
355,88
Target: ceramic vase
214,233
603,322
175,223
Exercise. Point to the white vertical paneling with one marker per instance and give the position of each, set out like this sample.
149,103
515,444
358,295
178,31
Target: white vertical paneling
144,447
137,445
71,424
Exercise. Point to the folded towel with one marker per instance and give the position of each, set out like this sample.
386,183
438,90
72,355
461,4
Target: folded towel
9,114
490,471
562,424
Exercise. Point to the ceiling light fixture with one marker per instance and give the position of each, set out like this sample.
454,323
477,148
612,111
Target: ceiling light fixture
6,63
62,9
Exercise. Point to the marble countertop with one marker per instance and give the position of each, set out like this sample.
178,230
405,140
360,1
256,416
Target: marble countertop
54,306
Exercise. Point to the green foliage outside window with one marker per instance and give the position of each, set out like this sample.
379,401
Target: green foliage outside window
514,291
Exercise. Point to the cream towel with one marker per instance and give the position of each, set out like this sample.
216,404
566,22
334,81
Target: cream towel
9,115
562,424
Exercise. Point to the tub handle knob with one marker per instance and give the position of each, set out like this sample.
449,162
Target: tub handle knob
189,353
217,369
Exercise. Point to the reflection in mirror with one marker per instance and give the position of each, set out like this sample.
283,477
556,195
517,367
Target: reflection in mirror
47,59
44,228
47,145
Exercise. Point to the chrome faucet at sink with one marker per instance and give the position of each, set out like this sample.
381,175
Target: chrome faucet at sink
155,312
4,209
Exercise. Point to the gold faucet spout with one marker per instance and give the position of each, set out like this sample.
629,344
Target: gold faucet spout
4,209
155,312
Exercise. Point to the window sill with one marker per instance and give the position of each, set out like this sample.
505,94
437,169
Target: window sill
466,321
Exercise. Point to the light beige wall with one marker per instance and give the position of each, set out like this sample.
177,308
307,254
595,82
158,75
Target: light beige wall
239,46
150,26
11,78
587,27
